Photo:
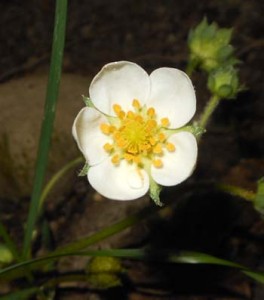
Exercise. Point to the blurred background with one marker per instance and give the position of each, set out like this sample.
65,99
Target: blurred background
152,34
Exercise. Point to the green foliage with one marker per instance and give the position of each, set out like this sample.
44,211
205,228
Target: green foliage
259,200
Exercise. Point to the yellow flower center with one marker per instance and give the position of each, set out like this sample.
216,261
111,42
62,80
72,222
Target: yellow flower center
137,136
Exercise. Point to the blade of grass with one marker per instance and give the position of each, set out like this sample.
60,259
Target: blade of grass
47,124
183,257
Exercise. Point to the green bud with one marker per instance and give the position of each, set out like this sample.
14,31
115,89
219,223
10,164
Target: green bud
6,256
224,82
103,272
209,46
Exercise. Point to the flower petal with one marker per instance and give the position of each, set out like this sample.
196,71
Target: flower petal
122,182
119,83
177,165
172,95
89,137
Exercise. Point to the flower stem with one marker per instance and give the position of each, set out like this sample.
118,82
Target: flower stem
56,177
47,124
237,191
208,110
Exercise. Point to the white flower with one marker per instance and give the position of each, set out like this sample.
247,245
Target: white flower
130,135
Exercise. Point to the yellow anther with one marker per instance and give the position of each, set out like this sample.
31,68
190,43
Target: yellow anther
157,149
170,147
152,141
157,163
117,108
162,137
165,122
151,112
151,124
136,104
128,157
130,115
108,147
136,159
115,159
144,147
132,149
138,118
105,128
121,115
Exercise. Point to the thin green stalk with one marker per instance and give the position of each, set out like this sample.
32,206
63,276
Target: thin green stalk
237,191
56,177
208,110
47,124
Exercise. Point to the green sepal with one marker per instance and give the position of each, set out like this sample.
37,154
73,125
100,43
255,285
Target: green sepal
224,82
195,129
88,102
154,192
259,200
84,170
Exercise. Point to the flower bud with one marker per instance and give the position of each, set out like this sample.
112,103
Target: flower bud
6,256
224,82
209,46
103,272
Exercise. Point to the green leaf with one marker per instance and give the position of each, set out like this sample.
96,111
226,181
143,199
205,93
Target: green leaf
259,200
48,121
142,254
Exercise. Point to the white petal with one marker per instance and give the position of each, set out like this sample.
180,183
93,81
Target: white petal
123,182
119,83
177,165
89,137
172,95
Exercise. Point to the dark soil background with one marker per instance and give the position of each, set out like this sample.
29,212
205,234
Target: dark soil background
154,34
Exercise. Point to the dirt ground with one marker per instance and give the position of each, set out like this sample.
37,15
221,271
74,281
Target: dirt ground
152,34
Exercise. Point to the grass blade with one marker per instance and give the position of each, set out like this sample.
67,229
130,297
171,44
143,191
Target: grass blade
47,124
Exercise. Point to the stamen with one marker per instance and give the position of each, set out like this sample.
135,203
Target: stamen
108,147
165,122
130,115
170,147
121,115
116,159
157,149
162,137
137,159
136,104
137,137
105,128
151,112
117,108
157,163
